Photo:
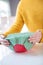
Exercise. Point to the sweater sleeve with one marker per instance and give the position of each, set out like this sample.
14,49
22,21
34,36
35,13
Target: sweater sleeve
18,23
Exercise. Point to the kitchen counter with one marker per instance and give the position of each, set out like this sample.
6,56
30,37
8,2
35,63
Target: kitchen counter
12,58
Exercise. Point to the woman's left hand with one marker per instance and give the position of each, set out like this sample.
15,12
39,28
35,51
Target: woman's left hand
38,48
36,37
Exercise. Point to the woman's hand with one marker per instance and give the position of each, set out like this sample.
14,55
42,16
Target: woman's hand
36,37
3,41
38,48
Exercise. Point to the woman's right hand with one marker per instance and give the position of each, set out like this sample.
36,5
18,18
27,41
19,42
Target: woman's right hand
3,41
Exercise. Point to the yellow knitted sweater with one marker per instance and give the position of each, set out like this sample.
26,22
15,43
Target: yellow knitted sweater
29,12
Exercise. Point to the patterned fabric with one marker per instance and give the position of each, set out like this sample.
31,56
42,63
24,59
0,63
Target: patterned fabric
20,38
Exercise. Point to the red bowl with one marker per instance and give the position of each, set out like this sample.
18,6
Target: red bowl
19,48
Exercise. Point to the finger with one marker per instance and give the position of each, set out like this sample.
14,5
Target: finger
6,44
36,37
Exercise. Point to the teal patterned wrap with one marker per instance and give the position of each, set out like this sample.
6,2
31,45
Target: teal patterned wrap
20,38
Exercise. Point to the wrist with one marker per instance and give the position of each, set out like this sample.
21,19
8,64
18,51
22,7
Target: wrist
41,30
2,36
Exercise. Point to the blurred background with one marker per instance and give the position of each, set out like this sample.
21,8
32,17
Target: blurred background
7,14
8,7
